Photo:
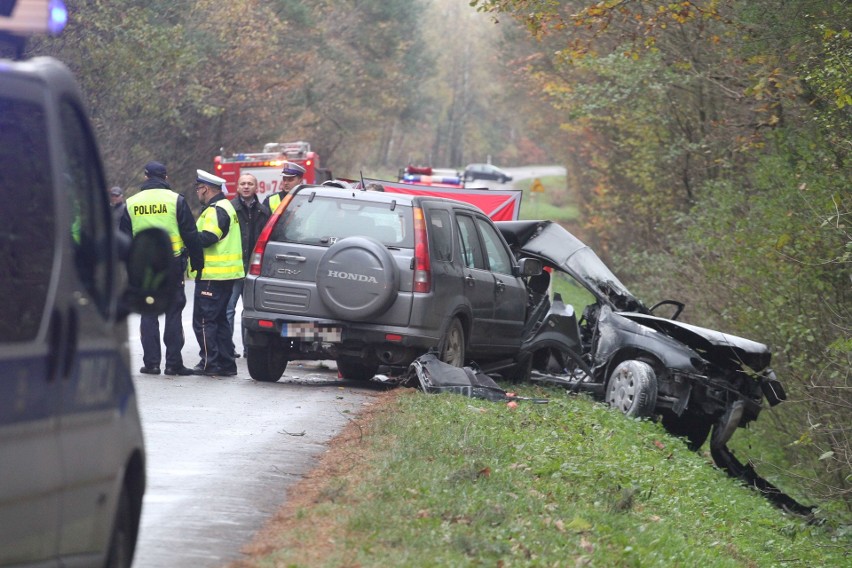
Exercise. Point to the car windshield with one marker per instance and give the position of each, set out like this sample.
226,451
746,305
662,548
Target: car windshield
316,220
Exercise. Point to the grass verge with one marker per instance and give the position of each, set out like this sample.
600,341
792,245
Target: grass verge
443,480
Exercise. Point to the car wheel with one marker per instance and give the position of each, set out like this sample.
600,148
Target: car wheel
122,542
267,363
452,346
356,369
694,428
632,389
357,278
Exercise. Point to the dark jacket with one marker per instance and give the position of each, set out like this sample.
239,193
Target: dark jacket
186,222
252,220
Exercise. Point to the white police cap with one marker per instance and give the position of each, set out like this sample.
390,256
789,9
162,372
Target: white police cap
208,178
292,169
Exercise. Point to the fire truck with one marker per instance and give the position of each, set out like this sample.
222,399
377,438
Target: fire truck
266,166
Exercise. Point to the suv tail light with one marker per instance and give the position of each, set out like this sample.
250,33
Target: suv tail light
263,239
422,266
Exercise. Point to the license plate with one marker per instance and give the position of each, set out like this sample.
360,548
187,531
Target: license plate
312,332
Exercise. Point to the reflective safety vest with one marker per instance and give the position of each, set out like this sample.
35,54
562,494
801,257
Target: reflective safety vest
156,208
223,260
275,201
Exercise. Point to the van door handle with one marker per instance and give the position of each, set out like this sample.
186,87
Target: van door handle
470,280
70,347
501,287
55,351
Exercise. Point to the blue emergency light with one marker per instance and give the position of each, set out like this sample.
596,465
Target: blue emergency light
57,16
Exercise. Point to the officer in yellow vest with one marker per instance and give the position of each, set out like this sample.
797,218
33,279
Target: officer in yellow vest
219,234
156,205
291,176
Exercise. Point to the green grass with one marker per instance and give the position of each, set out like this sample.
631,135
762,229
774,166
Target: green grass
454,481
555,203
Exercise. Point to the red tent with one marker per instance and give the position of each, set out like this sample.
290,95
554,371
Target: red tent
499,204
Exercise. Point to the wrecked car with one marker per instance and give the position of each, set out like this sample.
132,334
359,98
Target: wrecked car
697,380
641,363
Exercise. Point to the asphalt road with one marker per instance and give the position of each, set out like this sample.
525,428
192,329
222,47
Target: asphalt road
223,451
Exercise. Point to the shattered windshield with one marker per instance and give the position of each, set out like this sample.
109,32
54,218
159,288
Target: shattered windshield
559,248
585,265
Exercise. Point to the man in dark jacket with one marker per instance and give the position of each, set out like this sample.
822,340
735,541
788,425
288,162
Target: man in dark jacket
157,205
252,216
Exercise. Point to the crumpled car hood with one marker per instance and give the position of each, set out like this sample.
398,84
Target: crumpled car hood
711,344
557,247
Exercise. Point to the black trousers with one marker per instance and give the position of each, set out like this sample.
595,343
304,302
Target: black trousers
173,337
210,324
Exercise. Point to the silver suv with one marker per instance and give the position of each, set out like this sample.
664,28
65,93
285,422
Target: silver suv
374,279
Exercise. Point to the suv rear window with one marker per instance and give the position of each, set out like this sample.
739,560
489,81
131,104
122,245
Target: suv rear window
314,220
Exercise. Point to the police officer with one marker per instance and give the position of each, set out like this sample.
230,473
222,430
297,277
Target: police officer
156,205
220,237
291,176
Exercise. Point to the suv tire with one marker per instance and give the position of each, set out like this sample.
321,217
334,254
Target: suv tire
266,364
453,344
352,295
356,369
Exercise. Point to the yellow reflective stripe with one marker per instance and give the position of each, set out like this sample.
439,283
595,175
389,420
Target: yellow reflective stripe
177,244
218,269
223,257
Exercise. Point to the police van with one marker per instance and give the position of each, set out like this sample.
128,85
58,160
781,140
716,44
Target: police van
72,457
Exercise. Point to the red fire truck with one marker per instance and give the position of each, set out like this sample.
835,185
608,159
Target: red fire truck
266,166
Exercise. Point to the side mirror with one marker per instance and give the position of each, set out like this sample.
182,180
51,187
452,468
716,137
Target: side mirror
151,274
530,267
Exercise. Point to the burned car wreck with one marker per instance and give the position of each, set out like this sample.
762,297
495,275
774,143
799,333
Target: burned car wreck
701,383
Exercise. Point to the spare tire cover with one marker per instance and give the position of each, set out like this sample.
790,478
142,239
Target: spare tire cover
357,278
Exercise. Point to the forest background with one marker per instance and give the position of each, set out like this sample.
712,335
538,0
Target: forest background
707,143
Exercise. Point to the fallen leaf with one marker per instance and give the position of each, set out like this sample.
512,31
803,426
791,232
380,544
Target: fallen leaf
659,444
579,525
512,404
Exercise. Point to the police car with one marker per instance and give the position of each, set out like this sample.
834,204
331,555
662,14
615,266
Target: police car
72,458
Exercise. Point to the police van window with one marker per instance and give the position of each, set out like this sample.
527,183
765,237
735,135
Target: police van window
27,237
91,221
